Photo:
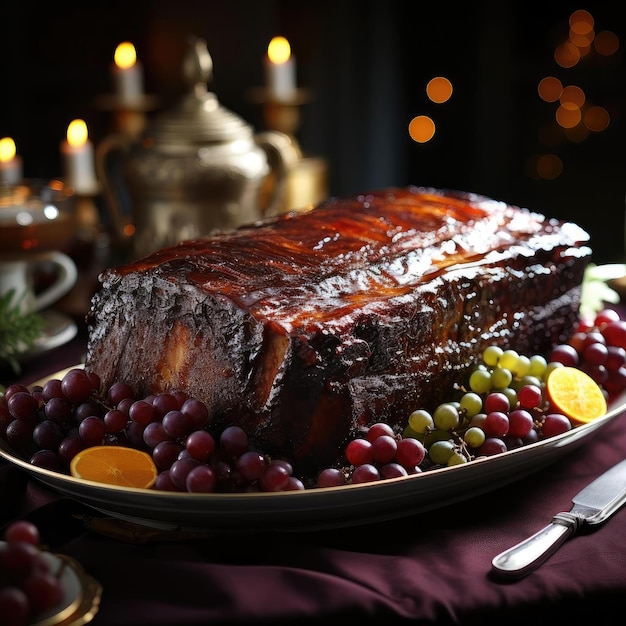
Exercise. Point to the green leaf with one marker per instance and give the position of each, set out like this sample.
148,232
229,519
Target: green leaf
595,290
18,331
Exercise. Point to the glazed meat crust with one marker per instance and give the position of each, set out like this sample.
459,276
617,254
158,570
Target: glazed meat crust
305,328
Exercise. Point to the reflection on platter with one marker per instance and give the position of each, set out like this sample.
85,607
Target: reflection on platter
321,507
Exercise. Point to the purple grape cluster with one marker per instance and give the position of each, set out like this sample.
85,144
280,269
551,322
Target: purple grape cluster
44,423
599,349
50,424
28,585
200,462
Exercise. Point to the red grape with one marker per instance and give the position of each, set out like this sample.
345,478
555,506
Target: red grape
251,465
378,429
365,473
274,478
359,452
564,354
604,317
555,424
331,477
22,530
411,452
76,386
201,479
615,333
520,423
496,424
496,401
384,449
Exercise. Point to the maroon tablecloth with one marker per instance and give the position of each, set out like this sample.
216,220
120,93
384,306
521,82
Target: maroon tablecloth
432,568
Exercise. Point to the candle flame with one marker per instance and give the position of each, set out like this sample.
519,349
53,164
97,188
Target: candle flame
7,149
278,50
125,55
77,133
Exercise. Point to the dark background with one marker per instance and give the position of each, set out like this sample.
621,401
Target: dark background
367,64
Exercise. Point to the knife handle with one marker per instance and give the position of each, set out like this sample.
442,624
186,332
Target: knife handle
529,554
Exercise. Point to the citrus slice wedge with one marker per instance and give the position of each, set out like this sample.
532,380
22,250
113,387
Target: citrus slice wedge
115,465
575,394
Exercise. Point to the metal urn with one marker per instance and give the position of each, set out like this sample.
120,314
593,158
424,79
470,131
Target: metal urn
196,169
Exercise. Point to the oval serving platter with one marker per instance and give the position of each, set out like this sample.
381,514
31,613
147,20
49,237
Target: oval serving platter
314,509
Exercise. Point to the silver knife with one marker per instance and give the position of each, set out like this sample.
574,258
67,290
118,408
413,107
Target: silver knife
593,505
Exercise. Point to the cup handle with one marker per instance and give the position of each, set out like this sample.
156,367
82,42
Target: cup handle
282,152
112,148
68,275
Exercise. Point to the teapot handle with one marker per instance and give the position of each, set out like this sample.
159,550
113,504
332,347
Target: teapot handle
113,146
282,153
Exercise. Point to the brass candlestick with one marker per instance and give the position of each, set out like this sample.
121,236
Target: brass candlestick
129,117
307,180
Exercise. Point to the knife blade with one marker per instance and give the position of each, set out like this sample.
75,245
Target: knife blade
593,505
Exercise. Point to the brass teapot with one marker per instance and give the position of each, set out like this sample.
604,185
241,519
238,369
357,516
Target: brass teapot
197,169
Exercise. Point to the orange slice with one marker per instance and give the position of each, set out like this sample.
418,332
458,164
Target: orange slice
115,465
575,394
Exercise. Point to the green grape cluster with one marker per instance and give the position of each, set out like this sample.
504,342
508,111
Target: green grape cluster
501,406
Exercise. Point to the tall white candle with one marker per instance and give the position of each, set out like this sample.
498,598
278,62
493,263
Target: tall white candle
127,73
10,163
280,70
78,158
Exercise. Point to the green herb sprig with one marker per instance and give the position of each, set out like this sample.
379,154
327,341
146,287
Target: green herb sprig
18,331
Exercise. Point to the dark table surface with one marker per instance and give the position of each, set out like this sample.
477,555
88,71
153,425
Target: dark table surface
431,568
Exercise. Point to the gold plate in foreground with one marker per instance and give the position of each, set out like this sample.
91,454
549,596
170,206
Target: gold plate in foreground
81,594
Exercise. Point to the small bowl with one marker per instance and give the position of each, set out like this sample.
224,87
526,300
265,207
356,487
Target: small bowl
36,215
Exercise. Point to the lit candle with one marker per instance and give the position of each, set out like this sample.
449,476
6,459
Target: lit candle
78,157
10,163
280,69
127,73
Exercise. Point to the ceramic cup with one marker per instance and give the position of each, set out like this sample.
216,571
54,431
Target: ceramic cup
18,274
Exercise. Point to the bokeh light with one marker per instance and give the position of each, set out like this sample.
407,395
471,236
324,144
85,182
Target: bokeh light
568,115
421,128
439,89
567,55
596,119
550,89
581,22
575,117
606,43
545,167
573,95
581,32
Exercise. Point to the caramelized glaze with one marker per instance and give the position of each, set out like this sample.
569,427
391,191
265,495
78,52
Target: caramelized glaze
312,268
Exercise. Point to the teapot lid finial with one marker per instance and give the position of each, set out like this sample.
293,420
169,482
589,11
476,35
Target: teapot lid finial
198,118
197,64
